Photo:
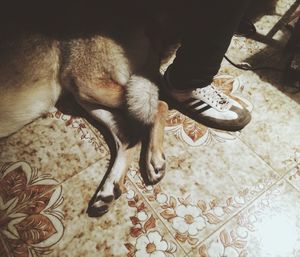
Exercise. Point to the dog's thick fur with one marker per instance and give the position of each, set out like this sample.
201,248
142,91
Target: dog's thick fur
108,56
109,59
85,62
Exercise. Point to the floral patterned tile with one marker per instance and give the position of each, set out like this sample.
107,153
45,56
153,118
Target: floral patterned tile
268,227
273,131
30,218
59,144
204,186
130,228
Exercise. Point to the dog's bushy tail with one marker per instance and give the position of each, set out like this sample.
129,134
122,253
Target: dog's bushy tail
142,99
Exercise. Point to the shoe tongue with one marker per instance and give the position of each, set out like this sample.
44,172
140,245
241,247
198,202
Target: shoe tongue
223,101
213,97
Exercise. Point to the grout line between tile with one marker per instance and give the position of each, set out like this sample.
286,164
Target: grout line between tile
64,181
297,189
56,186
282,177
221,225
99,139
60,184
242,209
294,187
82,170
92,129
277,172
279,178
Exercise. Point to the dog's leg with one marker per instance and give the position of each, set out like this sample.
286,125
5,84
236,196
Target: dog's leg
152,159
112,184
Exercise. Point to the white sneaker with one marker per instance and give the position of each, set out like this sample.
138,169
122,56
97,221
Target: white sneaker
208,106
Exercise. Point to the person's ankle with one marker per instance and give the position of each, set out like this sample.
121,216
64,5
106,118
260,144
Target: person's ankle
174,81
180,83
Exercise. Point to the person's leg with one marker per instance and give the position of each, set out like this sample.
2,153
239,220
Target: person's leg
207,34
208,30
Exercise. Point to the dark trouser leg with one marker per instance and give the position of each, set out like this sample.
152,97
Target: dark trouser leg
206,37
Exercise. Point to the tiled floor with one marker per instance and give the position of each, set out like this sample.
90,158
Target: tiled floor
224,194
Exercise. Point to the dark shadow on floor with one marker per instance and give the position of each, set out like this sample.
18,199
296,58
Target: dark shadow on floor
275,56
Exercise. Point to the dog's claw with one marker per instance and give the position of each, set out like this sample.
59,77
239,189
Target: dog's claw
154,174
160,169
156,169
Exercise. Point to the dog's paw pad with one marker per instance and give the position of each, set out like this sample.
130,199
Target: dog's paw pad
97,211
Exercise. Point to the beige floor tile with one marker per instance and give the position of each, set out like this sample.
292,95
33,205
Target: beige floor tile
204,186
201,207
59,144
269,227
59,226
273,131
129,228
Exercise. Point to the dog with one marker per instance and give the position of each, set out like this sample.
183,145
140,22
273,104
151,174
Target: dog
108,56
109,59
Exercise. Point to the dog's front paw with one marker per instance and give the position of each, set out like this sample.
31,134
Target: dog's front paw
154,169
102,201
152,158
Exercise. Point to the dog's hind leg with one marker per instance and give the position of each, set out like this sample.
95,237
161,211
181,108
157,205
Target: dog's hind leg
112,184
152,158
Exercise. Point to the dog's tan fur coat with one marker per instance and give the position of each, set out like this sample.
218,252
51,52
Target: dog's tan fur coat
108,59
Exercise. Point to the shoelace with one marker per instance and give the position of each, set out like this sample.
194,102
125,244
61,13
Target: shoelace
213,97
